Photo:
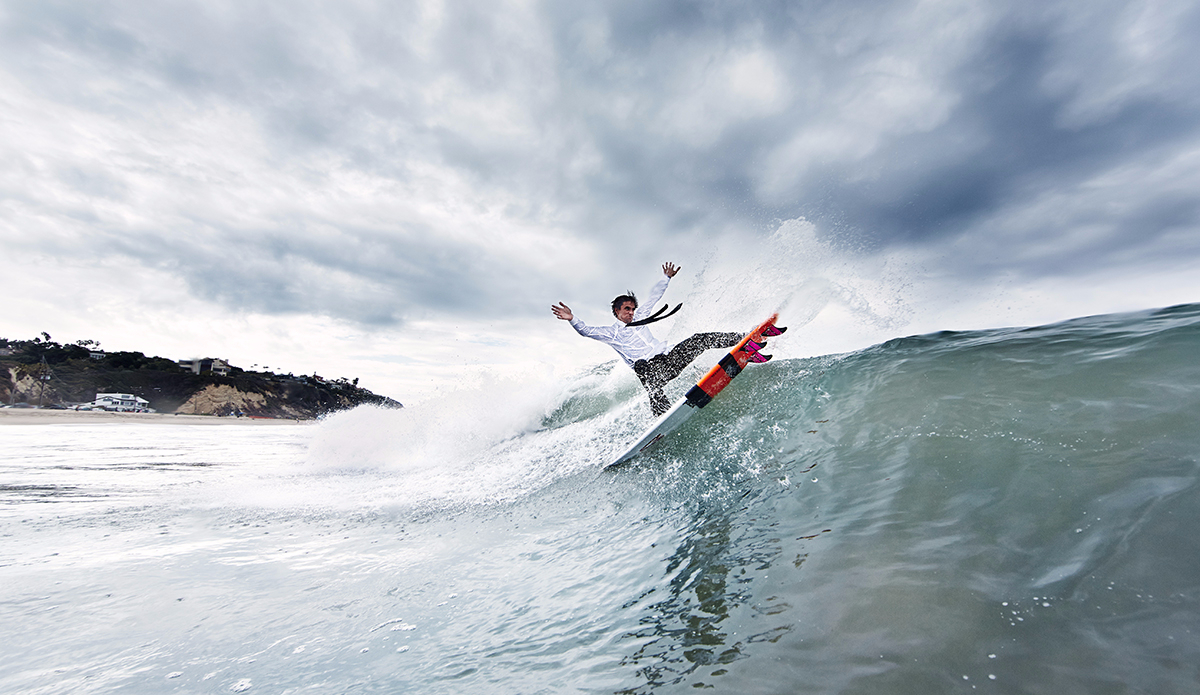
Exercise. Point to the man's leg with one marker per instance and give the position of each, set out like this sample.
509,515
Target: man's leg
655,372
650,372
682,354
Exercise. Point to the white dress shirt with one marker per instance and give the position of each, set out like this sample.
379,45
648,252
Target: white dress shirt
632,344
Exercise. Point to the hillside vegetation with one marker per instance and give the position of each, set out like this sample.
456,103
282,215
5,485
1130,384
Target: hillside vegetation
41,371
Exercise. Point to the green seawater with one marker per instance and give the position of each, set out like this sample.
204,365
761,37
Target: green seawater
1003,511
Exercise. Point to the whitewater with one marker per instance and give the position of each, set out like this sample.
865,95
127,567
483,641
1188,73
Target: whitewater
998,511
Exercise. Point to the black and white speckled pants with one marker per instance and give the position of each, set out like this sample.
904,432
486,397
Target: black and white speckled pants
658,370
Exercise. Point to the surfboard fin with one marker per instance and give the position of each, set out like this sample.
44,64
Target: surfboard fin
774,330
753,351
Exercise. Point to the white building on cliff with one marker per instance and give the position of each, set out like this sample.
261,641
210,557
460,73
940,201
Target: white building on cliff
120,402
198,365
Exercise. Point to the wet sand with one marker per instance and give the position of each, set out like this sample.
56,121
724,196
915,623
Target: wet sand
32,416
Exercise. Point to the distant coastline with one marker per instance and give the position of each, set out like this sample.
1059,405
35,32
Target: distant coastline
42,416
62,377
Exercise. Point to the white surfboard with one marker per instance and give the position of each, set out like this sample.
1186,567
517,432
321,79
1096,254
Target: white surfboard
700,395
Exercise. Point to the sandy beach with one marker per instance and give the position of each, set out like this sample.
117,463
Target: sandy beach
31,416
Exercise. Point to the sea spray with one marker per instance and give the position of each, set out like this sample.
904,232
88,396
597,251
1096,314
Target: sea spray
798,274
492,442
446,432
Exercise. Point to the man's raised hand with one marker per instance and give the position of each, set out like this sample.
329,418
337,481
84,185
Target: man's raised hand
562,311
669,269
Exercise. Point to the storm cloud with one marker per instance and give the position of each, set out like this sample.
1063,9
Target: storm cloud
380,163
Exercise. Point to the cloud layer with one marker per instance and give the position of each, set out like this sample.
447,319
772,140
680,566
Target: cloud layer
384,163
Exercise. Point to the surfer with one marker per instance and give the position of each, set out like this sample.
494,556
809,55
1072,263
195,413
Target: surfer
649,357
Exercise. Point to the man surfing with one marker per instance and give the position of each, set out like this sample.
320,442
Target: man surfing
649,357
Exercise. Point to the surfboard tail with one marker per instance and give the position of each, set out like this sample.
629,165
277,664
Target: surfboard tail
731,365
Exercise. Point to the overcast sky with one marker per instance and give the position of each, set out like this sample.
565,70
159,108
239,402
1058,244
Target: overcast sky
398,191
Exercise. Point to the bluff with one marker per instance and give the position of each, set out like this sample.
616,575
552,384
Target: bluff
43,371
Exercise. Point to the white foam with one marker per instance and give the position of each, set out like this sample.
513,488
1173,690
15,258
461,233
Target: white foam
481,444
441,434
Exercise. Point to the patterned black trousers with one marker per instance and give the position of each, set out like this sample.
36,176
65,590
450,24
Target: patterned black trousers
658,370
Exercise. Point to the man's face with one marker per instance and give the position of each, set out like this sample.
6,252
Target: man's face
625,312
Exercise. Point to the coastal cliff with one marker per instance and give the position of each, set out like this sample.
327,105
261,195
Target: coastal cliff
41,372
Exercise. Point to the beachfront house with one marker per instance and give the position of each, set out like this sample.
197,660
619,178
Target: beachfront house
216,365
120,402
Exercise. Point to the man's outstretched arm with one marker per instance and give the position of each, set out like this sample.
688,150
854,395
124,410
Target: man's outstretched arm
602,333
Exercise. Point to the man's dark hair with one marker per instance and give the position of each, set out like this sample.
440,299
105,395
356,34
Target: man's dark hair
616,303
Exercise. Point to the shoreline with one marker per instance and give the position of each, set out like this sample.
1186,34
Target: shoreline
34,416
